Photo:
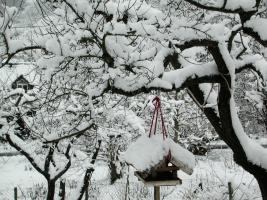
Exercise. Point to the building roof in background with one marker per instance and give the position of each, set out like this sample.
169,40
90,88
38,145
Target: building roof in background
8,74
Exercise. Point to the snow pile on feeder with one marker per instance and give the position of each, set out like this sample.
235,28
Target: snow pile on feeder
157,158
146,153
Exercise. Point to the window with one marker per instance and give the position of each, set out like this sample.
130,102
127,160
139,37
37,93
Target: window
23,85
21,82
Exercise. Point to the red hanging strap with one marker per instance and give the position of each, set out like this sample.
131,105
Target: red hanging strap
153,126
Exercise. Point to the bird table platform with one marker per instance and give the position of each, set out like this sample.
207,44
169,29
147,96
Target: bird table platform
162,176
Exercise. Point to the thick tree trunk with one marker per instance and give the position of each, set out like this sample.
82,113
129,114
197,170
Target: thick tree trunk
51,189
262,181
223,122
229,134
258,172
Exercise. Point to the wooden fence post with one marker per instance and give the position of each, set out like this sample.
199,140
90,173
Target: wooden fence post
15,193
230,190
156,192
62,190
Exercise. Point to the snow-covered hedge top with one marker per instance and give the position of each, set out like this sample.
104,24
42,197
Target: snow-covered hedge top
146,152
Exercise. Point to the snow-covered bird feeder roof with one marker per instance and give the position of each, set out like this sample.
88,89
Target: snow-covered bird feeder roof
146,153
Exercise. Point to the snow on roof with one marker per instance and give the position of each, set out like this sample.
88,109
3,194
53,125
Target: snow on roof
9,74
145,153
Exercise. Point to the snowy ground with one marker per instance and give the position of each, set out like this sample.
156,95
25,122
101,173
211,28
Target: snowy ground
209,181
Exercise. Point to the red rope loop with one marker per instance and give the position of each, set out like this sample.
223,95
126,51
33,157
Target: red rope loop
157,111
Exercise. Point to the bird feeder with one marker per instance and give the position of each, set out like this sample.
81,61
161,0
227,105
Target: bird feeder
163,175
157,158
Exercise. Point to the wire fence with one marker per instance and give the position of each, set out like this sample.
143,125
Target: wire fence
136,191
21,193
216,177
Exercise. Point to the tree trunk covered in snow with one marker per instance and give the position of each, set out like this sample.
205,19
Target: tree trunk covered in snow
228,132
223,122
239,155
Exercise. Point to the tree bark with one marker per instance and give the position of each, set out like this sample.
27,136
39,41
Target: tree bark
258,172
62,190
262,181
86,180
113,158
114,175
265,107
51,184
176,128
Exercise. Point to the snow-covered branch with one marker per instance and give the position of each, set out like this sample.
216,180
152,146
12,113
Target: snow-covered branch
226,6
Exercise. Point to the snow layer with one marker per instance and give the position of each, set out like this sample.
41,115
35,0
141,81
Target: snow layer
255,153
246,5
259,26
179,76
147,152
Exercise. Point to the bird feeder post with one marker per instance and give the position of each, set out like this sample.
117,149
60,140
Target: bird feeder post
156,192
